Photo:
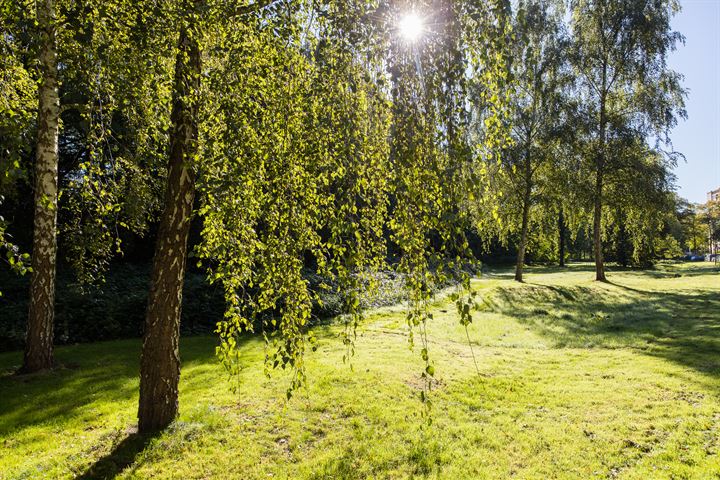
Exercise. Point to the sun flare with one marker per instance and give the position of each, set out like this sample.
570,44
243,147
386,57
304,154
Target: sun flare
411,26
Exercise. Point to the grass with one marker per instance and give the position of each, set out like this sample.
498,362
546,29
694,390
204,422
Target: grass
577,380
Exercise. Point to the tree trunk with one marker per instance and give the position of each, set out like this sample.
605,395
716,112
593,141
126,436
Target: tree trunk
525,220
39,339
622,247
597,229
600,170
160,363
561,238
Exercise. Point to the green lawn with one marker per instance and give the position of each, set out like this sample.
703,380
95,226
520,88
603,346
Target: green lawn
577,380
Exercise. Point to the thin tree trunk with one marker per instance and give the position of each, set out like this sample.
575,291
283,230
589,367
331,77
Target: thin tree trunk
561,238
523,244
622,253
160,363
39,339
597,216
597,229
525,220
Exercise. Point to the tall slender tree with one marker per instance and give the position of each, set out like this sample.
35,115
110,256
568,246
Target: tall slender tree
86,39
40,332
619,54
540,77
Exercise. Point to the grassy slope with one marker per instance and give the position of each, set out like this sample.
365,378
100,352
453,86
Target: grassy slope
577,380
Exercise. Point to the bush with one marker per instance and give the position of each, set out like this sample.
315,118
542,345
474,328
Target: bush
116,309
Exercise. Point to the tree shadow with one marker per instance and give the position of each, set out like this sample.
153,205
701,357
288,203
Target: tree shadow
119,458
63,392
106,372
661,270
508,272
682,326
424,457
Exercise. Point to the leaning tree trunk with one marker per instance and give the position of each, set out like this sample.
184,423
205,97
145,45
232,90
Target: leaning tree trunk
160,363
561,238
525,221
39,339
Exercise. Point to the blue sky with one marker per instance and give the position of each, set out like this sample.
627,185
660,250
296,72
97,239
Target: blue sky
698,137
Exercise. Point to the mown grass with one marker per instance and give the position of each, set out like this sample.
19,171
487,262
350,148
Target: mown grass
577,380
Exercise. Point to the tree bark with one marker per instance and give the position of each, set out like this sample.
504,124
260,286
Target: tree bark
160,363
39,338
525,220
561,238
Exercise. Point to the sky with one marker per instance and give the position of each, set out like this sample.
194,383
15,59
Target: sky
698,137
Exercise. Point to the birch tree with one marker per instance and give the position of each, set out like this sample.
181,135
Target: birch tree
619,54
286,139
39,337
524,176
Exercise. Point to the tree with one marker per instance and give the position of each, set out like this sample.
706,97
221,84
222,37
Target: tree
639,187
619,54
39,338
540,79
710,217
160,363
694,234
295,104
77,158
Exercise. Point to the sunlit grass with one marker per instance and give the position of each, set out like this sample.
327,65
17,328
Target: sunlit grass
577,380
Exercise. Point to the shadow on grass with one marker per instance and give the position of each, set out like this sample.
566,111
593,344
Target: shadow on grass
682,326
98,373
667,269
83,377
425,457
122,456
